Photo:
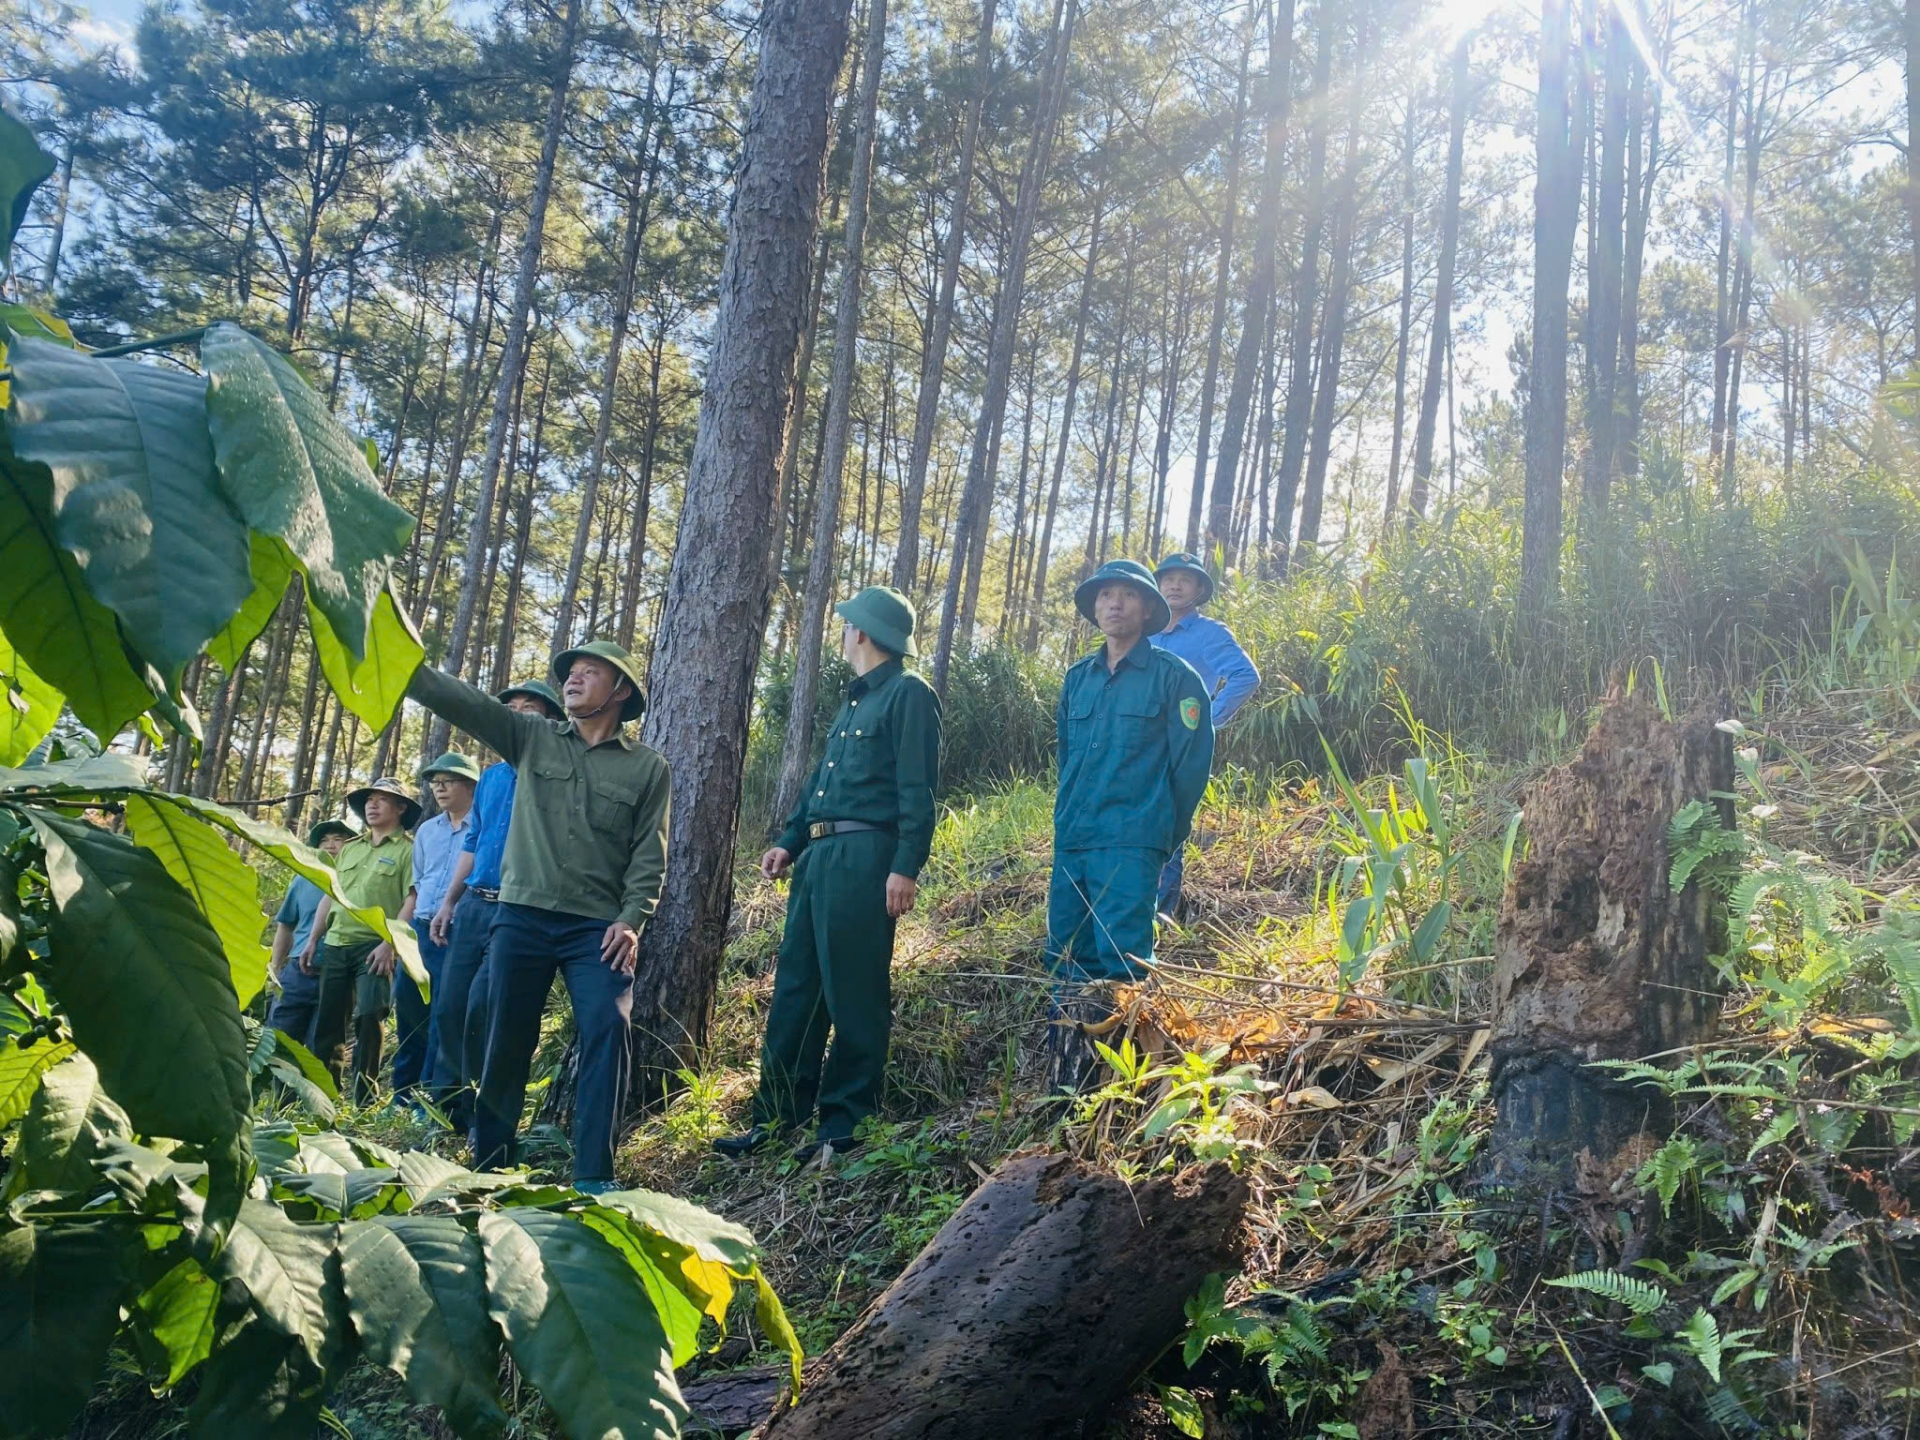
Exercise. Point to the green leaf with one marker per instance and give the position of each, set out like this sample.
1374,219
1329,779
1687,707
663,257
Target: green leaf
288,1269
1430,930
256,1385
270,567
580,1326
70,1118
178,1312
679,1300
1702,1334
307,1062
141,975
372,687
294,473
48,612
700,1230
1660,1374
416,1288
33,322
20,1072
60,1291
221,883
28,705
23,165
1641,1297
1183,1411
88,775
135,499
10,935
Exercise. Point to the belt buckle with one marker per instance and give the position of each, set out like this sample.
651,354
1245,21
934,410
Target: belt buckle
820,830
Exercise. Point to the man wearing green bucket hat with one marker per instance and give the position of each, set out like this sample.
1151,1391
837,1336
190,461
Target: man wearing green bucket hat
299,998
435,842
585,854
1135,745
356,965
464,921
1217,658
855,844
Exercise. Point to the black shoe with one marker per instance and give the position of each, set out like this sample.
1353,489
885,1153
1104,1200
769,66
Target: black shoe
745,1143
825,1149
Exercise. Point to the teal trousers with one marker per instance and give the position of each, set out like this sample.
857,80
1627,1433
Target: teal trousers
832,976
1100,911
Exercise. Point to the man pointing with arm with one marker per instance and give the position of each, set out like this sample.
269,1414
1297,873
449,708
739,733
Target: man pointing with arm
585,855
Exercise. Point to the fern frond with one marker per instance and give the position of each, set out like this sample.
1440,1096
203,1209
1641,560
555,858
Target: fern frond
1642,1297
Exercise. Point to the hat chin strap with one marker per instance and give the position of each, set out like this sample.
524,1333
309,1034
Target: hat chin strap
596,709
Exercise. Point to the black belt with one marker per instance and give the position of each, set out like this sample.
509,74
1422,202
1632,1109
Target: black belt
823,829
483,893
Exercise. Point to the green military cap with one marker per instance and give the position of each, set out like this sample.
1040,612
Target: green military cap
539,690
385,785
884,615
609,653
1126,572
325,828
1191,564
452,763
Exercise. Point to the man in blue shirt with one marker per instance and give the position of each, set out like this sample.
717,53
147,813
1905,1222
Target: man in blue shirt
1135,744
462,921
1210,648
436,843
299,998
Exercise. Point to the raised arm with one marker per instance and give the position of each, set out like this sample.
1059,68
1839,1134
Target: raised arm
473,711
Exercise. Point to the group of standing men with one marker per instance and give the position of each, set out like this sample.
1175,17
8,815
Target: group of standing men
551,862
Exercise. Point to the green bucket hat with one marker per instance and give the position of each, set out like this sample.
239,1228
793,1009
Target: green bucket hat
452,763
385,785
1192,565
1129,572
612,654
539,690
325,828
884,614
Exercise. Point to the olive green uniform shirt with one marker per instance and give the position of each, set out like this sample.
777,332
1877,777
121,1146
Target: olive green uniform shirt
588,834
372,872
880,766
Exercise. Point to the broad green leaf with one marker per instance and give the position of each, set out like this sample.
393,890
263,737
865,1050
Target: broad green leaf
89,775
23,165
224,886
700,1230
20,1072
135,498
416,1288
772,1318
580,1326
28,706
60,1292
287,1268
256,1384
294,473
307,1062
141,975
270,567
657,1261
71,640
10,931
34,323
70,1118
373,687
178,1311
303,860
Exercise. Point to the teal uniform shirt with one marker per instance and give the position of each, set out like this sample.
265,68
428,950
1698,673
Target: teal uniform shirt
1136,746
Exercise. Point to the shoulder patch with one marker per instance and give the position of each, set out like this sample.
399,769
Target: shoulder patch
1190,713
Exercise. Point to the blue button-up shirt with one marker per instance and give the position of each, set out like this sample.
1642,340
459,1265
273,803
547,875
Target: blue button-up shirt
486,837
1136,745
435,844
1224,668
298,909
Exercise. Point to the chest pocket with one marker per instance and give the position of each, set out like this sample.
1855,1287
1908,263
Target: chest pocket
610,806
384,865
1139,725
555,768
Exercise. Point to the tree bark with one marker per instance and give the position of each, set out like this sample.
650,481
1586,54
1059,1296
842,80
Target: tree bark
797,753
513,352
1034,1308
1595,956
1266,241
1442,328
1640,177
1910,35
1559,146
933,371
1404,340
717,588
1723,288
1606,285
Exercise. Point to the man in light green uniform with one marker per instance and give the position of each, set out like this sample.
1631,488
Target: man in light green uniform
855,843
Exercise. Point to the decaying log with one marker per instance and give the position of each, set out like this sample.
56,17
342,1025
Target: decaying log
1596,958
1037,1304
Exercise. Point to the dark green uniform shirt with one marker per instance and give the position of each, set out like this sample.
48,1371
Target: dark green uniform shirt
880,766
588,835
1136,745
373,872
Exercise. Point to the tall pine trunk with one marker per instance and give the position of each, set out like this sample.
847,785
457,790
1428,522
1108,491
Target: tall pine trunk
1442,329
1404,335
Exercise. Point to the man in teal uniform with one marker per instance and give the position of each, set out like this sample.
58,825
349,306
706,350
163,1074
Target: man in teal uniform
1135,743
855,843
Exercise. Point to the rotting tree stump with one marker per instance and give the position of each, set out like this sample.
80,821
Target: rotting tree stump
1596,957
1036,1305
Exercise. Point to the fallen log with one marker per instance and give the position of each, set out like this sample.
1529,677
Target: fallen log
1038,1304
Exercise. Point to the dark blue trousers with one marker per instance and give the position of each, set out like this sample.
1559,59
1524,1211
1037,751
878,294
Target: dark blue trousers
413,1020
1170,881
528,946
460,1009
295,1007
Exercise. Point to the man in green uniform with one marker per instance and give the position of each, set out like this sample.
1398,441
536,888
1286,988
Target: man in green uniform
855,844
356,967
1135,733
586,852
